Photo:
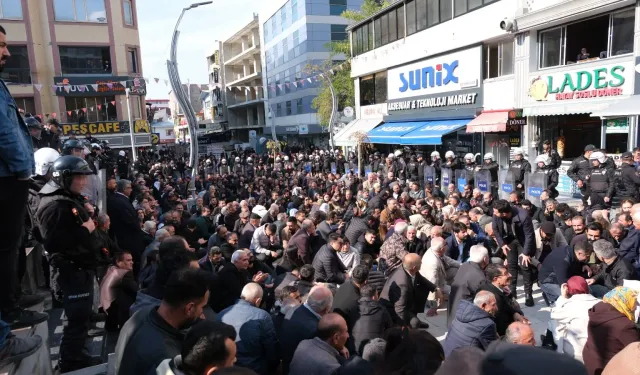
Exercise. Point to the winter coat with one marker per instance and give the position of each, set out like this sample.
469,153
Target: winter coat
403,297
329,268
614,274
467,282
609,331
570,319
392,251
506,308
472,326
369,320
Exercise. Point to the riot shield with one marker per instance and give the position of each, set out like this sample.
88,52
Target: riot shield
334,168
307,167
461,179
446,177
537,183
367,169
429,175
507,183
483,181
356,171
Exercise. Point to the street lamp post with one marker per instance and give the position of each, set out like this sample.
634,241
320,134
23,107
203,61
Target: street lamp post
183,98
131,125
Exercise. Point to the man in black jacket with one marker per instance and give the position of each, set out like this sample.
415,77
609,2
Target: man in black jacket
155,333
125,224
515,235
561,265
369,320
579,171
498,278
329,268
627,181
228,284
614,269
346,298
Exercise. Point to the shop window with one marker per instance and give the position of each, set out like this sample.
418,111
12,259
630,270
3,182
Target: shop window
587,40
299,106
28,105
498,59
17,69
11,9
85,60
373,89
461,7
377,30
617,135
128,12
589,128
106,111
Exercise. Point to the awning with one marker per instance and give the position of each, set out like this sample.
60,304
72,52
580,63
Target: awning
625,107
571,108
489,122
343,138
430,133
391,133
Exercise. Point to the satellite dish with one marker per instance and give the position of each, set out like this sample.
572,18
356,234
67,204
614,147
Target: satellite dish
348,112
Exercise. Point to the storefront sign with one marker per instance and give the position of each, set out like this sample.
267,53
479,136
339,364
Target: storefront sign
104,127
515,118
98,86
617,126
373,111
590,82
453,72
439,101
155,138
514,141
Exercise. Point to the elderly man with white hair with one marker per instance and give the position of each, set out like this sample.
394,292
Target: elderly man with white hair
256,341
393,249
439,268
468,280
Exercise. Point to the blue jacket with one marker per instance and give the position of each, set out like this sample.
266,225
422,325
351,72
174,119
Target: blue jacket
453,250
629,246
16,148
472,326
257,342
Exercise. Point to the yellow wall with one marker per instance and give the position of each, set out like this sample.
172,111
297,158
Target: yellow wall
79,33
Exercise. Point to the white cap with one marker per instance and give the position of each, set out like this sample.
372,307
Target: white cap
121,153
469,156
488,156
435,154
259,210
599,156
518,151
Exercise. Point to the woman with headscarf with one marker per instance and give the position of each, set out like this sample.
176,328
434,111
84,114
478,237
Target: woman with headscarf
570,318
611,328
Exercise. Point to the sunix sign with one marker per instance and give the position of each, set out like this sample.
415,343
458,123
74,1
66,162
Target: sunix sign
449,73
429,76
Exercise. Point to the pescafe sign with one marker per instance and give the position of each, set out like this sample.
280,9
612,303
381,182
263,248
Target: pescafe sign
443,74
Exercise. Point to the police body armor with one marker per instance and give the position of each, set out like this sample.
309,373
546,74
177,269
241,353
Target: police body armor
624,187
412,171
599,180
224,169
470,170
517,168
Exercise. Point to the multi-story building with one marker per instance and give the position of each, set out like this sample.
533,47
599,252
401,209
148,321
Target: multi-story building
195,95
160,110
295,35
73,60
439,74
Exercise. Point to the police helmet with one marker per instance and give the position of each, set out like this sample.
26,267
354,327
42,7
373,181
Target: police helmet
391,156
489,156
278,159
435,154
249,160
223,161
66,167
32,123
599,156
398,153
237,159
518,151
44,159
70,145
286,158
542,159
95,146
449,154
469,157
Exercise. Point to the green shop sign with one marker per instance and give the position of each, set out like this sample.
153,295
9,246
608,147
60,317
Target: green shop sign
580,84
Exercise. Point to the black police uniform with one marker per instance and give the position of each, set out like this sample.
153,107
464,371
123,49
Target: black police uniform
470,175
493,168
73,259
519,169
601,184
579,170
552,178
554,159
412,170
627,182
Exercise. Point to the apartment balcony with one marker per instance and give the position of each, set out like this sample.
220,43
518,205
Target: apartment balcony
247,53
254,97
245,80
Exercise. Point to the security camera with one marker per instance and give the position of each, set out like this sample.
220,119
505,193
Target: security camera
509,25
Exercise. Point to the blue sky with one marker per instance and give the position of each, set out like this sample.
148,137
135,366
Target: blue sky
199,30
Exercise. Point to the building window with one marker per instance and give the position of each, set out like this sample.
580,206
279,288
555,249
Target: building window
278,109
373,89
85,60
128,12
299,106
97,109
17,69
411,17
133,60
377,27
337,7
80,10
338,32
11,9
498,59
362,39
594,38
461,7
289,104
28,105
294,10
283,16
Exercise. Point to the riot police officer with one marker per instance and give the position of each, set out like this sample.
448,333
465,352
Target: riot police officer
65,229
224,168
238,168
543,162
250,170
580,169
519,167
627,181
73,147
451,161
122,163
601,183
470,167
436,163
491,166
412,170
35,128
